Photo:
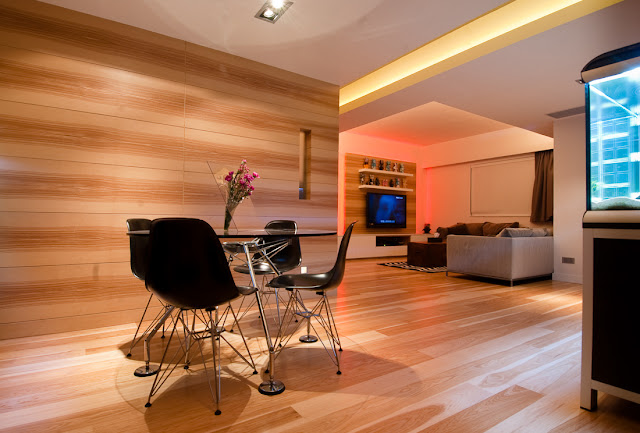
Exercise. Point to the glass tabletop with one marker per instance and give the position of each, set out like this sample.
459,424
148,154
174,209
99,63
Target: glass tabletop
255,233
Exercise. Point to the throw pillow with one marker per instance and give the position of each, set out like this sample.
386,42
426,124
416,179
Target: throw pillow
458,229
475,229
443,232
493,229
540,231
522,232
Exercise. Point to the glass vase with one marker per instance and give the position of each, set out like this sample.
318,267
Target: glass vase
229,210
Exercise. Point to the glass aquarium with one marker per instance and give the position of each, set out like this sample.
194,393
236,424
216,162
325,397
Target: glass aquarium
613,141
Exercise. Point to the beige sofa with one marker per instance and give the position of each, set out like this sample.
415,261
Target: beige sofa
504,258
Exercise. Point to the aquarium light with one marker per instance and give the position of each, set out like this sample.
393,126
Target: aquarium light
616,103
632,74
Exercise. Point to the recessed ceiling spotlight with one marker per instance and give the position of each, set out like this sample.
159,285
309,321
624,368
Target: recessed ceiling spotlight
272,10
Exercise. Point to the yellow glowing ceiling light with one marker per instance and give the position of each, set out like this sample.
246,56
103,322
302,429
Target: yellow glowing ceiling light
510,23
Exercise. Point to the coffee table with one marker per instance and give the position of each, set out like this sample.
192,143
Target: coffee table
427,255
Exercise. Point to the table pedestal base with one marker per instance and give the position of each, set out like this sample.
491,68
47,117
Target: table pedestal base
308,339
147,370
271,387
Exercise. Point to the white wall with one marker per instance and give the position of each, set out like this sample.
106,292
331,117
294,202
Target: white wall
511,141
448,168
449,191
569,195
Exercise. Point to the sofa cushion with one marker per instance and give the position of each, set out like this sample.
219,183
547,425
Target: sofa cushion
523,232
475,229
458,229
492,229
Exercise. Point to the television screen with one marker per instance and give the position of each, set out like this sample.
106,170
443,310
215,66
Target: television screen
386,210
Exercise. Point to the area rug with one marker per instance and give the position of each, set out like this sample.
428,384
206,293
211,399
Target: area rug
404,265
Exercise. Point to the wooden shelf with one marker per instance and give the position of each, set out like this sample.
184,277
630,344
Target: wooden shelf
383,188
385,172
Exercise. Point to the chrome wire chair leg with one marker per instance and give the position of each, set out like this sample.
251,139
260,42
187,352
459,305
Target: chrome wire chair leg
271,386
327,322
148,369
215,344
187,337
306,314
144,313
178,356
159,379
220,329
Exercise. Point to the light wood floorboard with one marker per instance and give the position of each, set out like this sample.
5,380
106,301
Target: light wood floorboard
422,353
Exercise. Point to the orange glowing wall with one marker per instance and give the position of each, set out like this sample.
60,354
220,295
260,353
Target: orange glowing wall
384,149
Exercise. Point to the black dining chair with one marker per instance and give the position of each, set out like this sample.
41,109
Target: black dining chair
321,312
282,253
188,270
286,258
138,260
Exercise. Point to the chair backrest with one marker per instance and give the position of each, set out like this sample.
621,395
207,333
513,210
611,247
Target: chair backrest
290,257
187,266
337,272
138,246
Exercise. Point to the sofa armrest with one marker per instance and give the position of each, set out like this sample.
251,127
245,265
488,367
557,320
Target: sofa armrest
479,255
532,257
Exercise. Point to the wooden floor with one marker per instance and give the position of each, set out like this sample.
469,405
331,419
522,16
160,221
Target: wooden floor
422,352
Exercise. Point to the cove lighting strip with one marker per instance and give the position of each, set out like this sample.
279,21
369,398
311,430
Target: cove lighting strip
510,23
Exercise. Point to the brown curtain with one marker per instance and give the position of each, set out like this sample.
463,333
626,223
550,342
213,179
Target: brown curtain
542,200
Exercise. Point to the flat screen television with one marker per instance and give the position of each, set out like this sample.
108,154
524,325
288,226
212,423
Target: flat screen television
386,210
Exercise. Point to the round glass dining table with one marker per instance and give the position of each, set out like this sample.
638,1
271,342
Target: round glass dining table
257,239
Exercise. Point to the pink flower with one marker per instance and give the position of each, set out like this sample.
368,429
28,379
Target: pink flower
255,175
229,177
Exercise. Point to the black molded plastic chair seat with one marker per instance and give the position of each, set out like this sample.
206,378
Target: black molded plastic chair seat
259,268
314,282
324,281
235,247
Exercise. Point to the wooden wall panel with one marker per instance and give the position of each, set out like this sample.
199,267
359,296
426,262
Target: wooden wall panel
58,134
44,28
100,122
205,150
355,206
80,86
54,291
31,239
232,74
223,112
38,185
323,166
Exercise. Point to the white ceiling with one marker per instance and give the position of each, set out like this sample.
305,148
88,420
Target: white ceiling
339,41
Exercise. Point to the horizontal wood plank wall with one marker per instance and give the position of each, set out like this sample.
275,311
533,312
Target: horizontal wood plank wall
355,206
100,122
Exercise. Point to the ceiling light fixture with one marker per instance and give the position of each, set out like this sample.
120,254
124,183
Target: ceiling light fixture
272,10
